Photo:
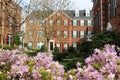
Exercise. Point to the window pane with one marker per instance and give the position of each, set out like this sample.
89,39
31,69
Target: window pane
65,45
65,34
40,33
89,32
51,22
39,44
65,22
31,22
74,34
58,34
58,45
81,22
89,22
82,34
30,34
30,44
74,22
58,22
39,23
75,45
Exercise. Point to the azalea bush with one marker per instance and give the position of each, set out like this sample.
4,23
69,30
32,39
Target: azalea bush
102,65
17,66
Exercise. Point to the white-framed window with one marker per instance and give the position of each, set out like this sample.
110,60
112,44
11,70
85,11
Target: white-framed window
58,34
58,45
40,33
87,12
75,45
39,23
10,23
65,22
51,22
65,46
89,22
43,23
89,32
39,44
81,22
74,34
31,22
30,34
65,34
30,44
74,22
58,22
82,34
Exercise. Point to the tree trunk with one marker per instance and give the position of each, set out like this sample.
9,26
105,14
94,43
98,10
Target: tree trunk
47,45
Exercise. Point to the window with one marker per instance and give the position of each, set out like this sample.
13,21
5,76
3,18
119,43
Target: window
81,22
65,22
115,7
58,34
39,44
65,34
65,45
58,22
39,23
58,45
74,34
87,12
30,45
75,45
82,34
74,22
40,33
51,22
89,22
43,22
31,22
89,32
30,34
10,22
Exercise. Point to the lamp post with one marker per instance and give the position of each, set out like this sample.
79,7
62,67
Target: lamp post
101,15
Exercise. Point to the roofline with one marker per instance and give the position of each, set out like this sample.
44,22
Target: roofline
56,12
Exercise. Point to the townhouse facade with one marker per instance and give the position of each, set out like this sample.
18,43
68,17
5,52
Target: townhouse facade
106,12
65,28
10,15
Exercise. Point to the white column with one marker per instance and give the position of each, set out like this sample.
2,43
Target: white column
9,38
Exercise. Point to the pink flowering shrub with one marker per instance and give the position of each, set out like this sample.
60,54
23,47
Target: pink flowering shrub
14,65
102,65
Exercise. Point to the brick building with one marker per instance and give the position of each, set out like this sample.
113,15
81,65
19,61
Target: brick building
104,12
10,15
66,28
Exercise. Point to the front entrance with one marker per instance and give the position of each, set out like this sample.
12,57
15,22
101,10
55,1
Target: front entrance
51,45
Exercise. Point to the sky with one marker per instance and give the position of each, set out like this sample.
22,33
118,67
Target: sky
79,4
82,4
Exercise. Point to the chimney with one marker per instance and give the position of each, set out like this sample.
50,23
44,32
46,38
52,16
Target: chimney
76,13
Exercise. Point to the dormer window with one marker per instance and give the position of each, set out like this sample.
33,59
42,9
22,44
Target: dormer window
87,12
76,13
